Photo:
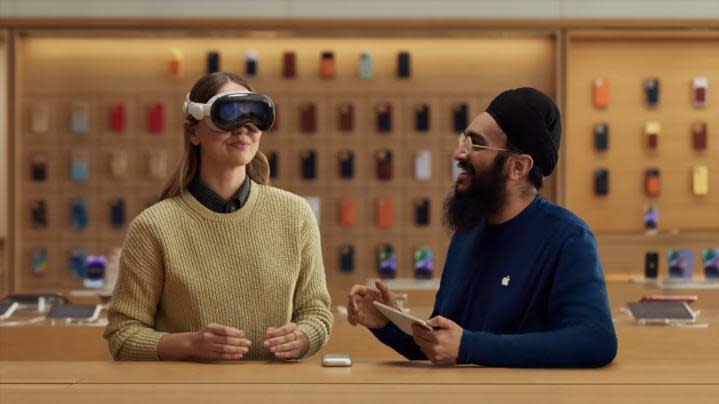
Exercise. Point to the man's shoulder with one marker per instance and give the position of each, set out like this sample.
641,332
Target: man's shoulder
563,220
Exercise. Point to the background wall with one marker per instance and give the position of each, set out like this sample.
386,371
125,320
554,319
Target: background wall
530,9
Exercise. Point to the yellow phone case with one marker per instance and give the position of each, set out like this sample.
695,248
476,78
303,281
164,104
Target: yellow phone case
700,180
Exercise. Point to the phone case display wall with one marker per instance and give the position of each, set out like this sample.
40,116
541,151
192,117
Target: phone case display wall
641,148
365,131
4,278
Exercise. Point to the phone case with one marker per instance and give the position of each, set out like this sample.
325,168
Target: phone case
385,212
423,166
309,165
601,136
213,62
80,115
651,91
79,214
308,118
421,118
117,213
423,263
404,68
38,167
699,136
366,65
251,63
600,93
79,168
176,65
651,131
347,258
652,184
601,182
681,263
700,180
347,164
384,117
460,118
40,119
38,214
119,163
421,212
384,160
274,160
651,218
327,65
710,261
348,212
289,65
38,262
386,261
156,121
700,88
118,118
157,164
314,203
78,263
346,117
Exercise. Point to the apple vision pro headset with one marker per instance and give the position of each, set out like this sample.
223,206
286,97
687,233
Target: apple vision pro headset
231,110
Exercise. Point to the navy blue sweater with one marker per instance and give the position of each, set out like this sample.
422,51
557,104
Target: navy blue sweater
528,293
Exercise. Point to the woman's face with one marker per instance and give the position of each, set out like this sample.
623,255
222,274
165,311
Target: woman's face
227,149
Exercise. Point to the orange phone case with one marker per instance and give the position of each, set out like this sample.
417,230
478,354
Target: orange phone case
601,93
348,212
385,212
652,183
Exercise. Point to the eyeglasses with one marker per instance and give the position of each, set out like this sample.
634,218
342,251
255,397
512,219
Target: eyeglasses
465,142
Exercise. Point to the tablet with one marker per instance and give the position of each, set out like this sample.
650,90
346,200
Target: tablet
7,307
661,312
401,319
87,312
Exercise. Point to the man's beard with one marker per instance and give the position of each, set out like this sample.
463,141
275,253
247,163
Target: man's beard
485,196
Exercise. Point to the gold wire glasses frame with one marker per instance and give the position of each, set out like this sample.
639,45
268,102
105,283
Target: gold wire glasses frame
466,143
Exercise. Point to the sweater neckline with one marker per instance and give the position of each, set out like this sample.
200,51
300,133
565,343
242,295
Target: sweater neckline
246,211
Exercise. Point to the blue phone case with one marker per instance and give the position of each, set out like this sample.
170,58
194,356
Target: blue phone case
79,214
366,65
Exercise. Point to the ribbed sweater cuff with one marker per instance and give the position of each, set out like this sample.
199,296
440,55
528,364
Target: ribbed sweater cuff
317,338
142,346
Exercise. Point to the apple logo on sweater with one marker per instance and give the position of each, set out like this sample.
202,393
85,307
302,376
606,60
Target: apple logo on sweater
505,281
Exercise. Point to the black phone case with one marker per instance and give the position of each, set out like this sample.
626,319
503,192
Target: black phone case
38,214
213,62
601,136
421,213
421,118
404,68
251,67
651,265
273,159
117,213
384,118
460,116
601,182
38,171
347,258
309,165
347,164
651,89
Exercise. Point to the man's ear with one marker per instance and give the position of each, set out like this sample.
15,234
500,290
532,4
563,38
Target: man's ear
190,130
520,165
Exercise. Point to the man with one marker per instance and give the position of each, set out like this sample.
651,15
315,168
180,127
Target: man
522,285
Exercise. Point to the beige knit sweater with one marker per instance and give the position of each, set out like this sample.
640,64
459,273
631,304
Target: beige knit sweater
184,266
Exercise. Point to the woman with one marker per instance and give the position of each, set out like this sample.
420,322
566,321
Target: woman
224,267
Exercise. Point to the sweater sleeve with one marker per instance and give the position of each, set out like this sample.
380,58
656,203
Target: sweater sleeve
396,339
311,301
581,333
131,316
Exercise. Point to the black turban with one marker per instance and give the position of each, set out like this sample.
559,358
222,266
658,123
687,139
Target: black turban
531,122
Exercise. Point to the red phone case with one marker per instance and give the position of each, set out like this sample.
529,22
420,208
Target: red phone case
308,118
699,136
346,117
289,69
117,118
157,119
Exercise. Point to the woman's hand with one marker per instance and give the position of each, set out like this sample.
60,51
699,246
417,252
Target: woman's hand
287,342
219,342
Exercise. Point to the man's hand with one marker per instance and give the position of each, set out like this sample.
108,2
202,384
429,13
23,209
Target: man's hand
360,309
442,345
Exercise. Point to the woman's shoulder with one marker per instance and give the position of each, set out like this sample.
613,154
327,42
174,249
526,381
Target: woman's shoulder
159,212
281,196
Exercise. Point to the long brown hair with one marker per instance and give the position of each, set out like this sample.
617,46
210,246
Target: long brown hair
258,169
